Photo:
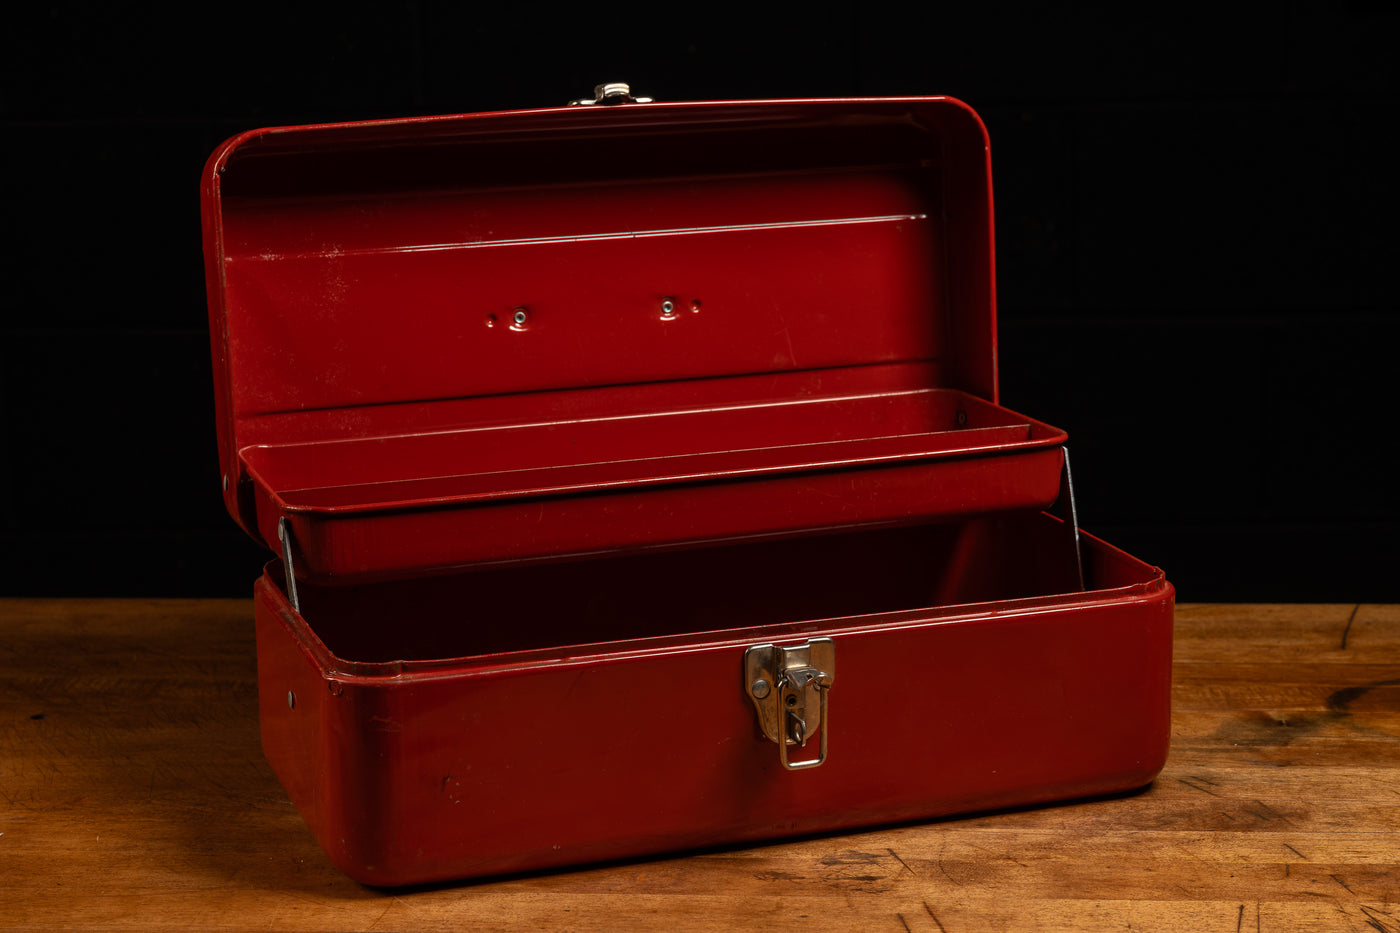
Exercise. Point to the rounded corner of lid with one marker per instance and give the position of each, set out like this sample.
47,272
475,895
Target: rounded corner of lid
218,159
968,110
957,102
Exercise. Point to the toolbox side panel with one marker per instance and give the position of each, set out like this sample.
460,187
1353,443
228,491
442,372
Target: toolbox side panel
320,736
593,758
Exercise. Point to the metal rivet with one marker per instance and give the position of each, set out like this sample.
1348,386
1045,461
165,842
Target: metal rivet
668,307
961,418
520,316
759,689
490,320
291,700
695,305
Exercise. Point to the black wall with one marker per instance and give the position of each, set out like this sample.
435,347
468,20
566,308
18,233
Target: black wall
1196,233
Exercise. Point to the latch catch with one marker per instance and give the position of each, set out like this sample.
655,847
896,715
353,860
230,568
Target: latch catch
788,687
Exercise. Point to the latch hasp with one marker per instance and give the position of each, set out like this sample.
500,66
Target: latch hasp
788,687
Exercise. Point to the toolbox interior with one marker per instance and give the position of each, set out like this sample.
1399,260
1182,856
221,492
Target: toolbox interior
792,585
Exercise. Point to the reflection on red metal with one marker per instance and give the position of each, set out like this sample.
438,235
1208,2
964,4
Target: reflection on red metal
560,411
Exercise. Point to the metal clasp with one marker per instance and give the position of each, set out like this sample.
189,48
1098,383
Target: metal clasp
609,94
789,687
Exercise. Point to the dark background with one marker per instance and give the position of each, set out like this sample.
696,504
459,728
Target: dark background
1197,251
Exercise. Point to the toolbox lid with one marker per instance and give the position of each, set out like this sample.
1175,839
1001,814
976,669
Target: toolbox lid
409,277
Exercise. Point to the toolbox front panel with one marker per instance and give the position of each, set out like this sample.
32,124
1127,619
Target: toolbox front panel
416,771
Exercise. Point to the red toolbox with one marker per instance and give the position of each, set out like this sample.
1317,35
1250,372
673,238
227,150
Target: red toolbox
640,483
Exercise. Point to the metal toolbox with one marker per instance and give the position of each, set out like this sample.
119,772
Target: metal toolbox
595,440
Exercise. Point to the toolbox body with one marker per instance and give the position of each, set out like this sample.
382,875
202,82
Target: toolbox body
640,483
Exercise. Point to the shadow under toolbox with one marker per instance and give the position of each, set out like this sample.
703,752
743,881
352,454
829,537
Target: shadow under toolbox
640,483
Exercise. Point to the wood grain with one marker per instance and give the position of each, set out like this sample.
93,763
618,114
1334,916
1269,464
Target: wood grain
134,796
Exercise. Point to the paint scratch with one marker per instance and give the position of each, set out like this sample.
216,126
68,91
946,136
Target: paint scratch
1194,786
902,862
1269,814
1378,920
1350,619
946,875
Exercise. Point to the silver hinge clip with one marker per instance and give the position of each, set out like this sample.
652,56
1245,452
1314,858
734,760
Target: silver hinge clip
610,94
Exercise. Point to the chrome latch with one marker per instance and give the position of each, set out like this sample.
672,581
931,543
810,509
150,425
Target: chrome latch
789,687
615,93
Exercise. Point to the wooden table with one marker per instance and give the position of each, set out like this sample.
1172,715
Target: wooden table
133,795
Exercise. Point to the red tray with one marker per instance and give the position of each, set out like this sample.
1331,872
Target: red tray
526,335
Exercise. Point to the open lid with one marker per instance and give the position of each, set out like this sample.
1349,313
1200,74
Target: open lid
410,276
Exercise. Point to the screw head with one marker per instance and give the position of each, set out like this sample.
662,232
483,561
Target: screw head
760,689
